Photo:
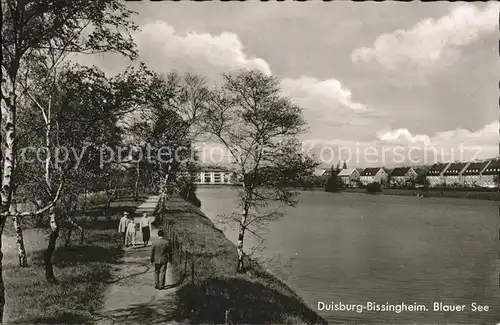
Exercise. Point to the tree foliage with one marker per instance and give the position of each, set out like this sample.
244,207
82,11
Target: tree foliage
333,183
259,127
37,36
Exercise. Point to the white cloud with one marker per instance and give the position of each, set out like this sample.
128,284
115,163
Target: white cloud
431,42
328,104
227,51
392,148
402,135
400,147
487,135
224,50
328,92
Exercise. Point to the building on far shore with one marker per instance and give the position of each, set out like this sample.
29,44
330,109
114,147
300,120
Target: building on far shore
472,175
490,172
215,176
453,174
370,175
401,175
435,174
349,177
320,172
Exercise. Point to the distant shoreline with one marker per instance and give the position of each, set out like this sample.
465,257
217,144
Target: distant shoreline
444,193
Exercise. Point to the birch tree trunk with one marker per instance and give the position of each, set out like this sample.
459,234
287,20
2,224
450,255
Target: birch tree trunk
16,220
9,112
243,225
8,165
10,133
54,234
241,236
21,251
2,285
54,227
8,162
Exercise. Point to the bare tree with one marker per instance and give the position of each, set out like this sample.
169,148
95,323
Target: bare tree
259,127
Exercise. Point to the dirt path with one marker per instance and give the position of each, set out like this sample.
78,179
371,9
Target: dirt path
131,297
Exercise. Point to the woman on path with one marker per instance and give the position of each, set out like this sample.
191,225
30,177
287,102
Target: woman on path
145,228
130,240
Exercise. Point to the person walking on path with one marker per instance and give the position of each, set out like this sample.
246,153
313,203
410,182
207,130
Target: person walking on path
130,238
145,228
161,254
122,227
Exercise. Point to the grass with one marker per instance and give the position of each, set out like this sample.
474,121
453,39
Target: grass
83,271
255,297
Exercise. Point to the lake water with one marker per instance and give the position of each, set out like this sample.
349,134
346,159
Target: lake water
356,248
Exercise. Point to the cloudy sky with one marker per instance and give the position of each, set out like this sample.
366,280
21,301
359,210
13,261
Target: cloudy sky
416,77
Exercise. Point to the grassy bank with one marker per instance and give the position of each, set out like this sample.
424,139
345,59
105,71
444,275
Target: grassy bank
214,287
445,193
83,271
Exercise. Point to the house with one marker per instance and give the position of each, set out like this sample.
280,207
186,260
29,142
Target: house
473,173
491,171
435,174
319,172
370,175
453,174
215,175
401,175
349,176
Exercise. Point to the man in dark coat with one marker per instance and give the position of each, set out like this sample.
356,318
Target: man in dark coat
161,254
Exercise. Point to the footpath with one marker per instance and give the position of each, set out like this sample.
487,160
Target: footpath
131,297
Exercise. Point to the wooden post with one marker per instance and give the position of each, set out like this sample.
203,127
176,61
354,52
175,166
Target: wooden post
227,316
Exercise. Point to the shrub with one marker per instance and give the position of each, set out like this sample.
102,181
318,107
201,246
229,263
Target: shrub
373,187
334,184
188,193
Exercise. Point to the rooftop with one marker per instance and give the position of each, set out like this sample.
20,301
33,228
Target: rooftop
319,172
454,169
347,172
475,168
370,171
400,171
213,168
437,169
493,168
